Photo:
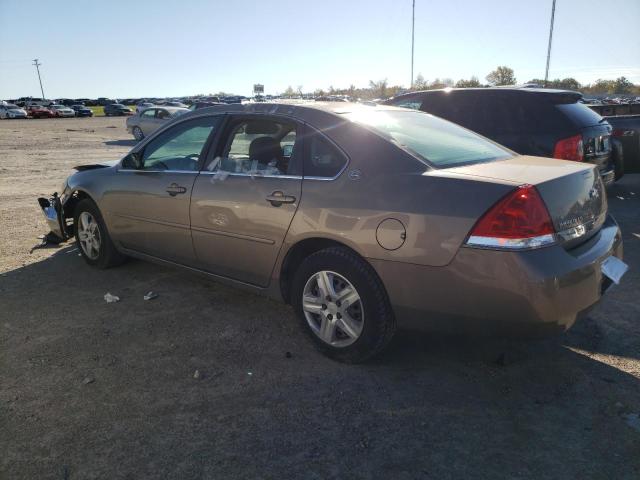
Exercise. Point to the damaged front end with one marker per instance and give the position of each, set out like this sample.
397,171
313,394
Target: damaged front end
54,213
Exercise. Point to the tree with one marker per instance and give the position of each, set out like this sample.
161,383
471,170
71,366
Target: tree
300,90
379,88
622,85
473,82
318,92
420,83
568,83
502,75
352,90
289,91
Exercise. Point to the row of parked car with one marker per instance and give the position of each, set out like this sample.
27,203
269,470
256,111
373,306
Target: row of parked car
10,111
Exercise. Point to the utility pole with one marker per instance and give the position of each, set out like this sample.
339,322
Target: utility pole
413,28
546,72
37,65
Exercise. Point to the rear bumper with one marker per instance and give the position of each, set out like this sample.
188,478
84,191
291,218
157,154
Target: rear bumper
530,293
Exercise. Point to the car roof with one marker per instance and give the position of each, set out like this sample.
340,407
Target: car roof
510,90
321,115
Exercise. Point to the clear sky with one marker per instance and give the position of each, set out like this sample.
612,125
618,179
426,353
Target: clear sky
135,48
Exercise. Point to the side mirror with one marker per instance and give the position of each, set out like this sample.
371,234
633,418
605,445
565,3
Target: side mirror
133,161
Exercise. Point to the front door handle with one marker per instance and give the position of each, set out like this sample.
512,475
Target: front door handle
278,197
174,189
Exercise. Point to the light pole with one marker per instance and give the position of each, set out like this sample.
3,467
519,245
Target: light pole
546,72
413,28
37,65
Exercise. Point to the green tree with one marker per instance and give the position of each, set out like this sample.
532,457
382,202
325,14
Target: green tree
289,91
502,75
622,85
473,82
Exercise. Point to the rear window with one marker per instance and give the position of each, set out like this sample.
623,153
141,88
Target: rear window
579,114
441,143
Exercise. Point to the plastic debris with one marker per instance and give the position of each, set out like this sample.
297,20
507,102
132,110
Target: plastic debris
197,374
151,296
88,380
249,373
111,298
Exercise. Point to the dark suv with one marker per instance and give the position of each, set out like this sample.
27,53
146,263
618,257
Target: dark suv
530,121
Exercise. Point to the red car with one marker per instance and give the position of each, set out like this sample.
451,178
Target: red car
38,111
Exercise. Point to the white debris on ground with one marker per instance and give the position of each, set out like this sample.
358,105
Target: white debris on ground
150,296
196,374
111,298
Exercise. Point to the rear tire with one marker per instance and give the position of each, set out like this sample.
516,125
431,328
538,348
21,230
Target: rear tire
92,237
138,133
369,323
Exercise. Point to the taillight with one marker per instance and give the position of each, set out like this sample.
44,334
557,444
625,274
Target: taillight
569,149
520,220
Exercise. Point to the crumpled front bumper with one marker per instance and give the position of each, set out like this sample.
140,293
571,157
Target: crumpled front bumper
53,211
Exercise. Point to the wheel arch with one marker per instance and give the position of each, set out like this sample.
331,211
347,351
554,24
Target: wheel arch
297,253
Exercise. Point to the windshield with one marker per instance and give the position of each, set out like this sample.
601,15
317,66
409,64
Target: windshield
441,143
11,105
179,112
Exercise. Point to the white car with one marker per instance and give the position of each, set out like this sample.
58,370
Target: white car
62,111
9,110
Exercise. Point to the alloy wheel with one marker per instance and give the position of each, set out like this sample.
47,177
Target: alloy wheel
333,308
89,235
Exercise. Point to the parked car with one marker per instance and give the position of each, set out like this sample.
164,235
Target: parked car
149,120
197,105
10,110
38,111
62,111
174,104
143,105
117,109
406,220
530,121
625,121
82,111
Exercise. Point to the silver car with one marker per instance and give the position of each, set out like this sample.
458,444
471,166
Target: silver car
148,120
9,110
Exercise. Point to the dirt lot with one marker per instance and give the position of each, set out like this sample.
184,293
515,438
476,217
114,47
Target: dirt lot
94,390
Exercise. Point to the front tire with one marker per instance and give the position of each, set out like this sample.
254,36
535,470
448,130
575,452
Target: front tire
92,237
343,305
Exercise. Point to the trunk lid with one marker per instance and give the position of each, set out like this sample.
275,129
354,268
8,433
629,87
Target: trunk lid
573,192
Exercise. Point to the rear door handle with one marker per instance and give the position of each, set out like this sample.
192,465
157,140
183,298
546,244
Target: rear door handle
174,189
278,197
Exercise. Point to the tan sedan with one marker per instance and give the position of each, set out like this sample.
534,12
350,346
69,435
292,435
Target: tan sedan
148,120
362,218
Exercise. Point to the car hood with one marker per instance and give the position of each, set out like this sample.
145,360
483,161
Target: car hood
93,166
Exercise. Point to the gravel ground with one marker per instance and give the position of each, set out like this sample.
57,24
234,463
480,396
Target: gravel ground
93,390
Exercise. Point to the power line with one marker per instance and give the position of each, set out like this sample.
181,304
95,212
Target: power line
37,65
553,13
